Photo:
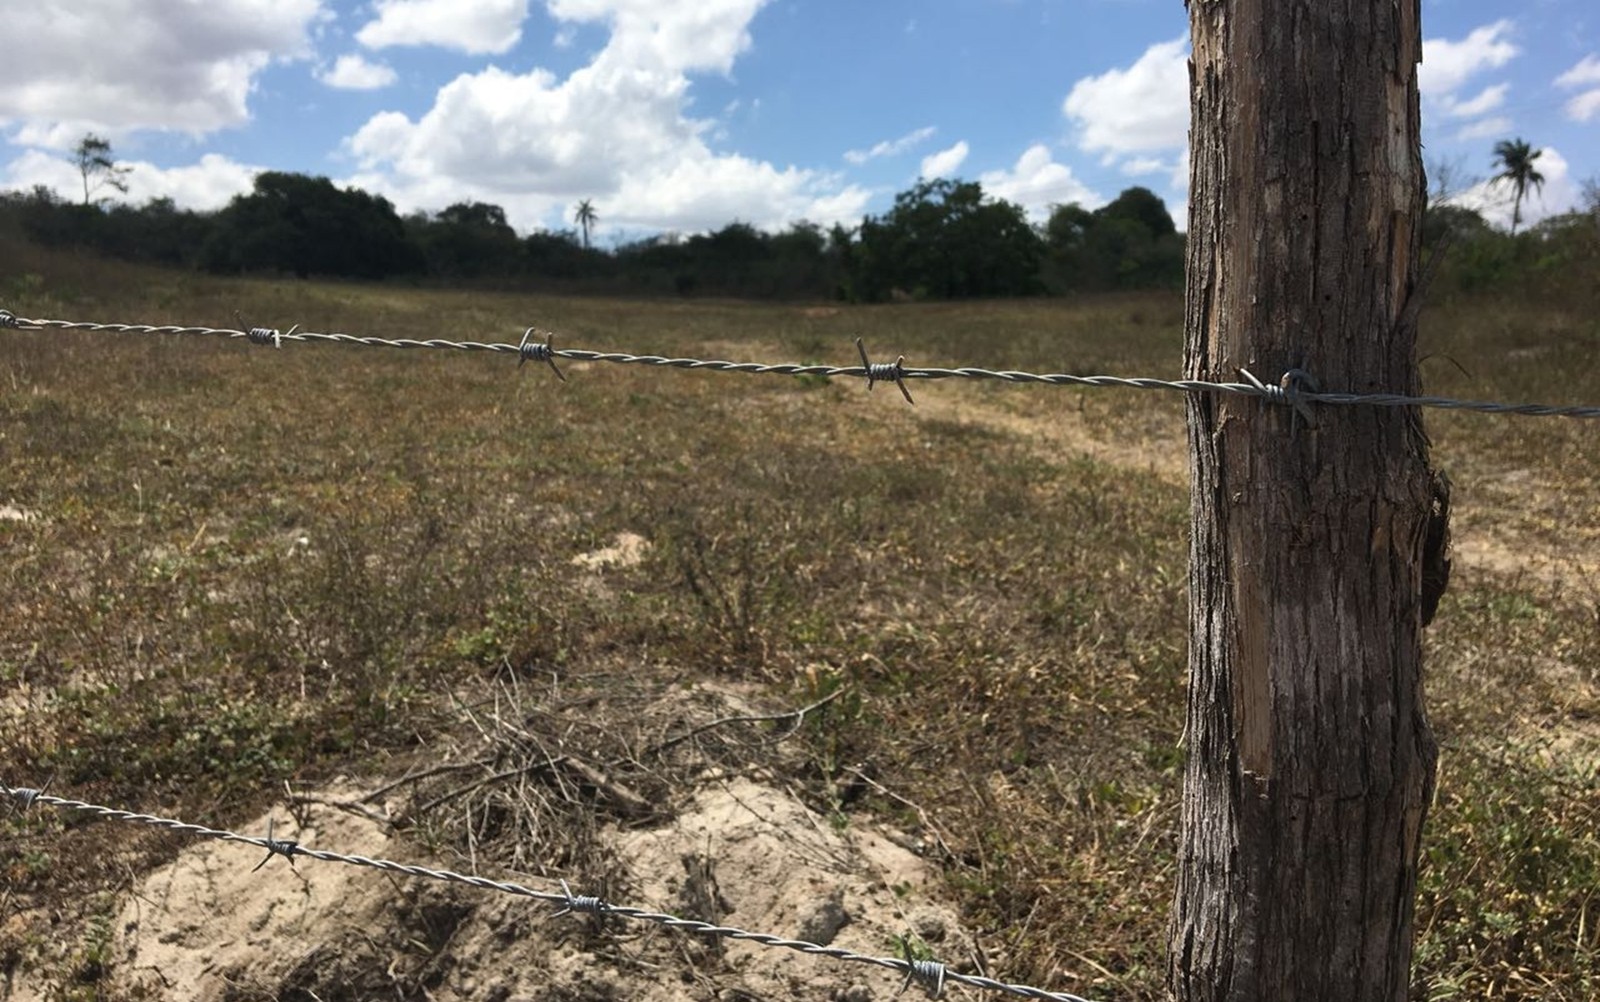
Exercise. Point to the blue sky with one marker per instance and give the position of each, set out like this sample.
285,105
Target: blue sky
687,114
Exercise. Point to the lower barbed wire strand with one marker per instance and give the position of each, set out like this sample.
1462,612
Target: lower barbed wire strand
1274,394
30,797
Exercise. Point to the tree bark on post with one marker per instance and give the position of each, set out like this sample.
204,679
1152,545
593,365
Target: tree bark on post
1311,761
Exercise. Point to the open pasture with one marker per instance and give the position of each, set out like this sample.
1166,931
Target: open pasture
228,567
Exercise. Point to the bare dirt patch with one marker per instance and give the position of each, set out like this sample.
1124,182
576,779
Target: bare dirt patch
627,549
730,845
740,852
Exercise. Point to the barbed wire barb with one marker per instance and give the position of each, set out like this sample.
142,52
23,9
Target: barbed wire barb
540,350
276,847
1297,392
264,335
892,372
932,975
577,903
929,974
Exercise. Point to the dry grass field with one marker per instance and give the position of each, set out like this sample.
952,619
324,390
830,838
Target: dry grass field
227,568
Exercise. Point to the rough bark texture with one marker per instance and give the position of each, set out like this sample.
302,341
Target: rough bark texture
1310,757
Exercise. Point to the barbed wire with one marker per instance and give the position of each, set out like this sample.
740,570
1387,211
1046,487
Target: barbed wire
1295,388
930,975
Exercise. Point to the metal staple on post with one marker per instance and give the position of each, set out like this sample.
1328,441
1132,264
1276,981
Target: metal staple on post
1291,391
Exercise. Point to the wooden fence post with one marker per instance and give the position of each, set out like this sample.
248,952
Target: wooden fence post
1310,758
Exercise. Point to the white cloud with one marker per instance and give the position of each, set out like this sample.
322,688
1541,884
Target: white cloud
353,72
891,147
1584,73
1037,182
1140,166
1499,125
476,27
206,185
1447,64
209,184
945,162
1486,101
112,66
616,130
1494,201
1135,110
676,35
1584,106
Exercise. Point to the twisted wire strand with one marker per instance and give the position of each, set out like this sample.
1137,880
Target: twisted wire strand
930,974
1298,392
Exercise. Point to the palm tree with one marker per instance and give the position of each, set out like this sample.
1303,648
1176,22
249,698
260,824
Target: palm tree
1515,159
586,217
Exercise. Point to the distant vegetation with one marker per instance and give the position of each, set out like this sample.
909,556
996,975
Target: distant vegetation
942,239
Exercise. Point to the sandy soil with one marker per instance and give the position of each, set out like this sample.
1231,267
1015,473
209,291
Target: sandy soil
207,927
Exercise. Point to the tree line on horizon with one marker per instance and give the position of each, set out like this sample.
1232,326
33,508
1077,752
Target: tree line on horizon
942,239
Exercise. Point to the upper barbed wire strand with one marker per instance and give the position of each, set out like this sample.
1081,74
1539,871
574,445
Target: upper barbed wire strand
920,969
1252,388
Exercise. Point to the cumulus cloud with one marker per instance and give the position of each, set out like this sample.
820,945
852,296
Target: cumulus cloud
1448,64
113,66
677,35
1140,109
1036,182
1494,200
1486,128
616,131
1140,166
891,147
476,27
945,162
1586,74
353,72
1586,71
203,186
1482,103
1585,106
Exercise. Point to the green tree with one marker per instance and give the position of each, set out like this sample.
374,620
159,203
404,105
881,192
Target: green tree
946,240
1515,159
306,226
92,156
1458,221
1066,236
467,240
1143,206
1129,243
585,217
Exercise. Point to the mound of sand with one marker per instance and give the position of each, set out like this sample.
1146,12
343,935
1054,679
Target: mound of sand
739,853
